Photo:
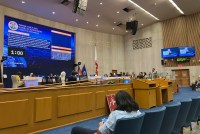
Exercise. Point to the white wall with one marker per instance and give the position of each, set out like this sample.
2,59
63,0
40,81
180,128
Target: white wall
143,60
110,48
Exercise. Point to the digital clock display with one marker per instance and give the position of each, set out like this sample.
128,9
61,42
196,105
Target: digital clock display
16,52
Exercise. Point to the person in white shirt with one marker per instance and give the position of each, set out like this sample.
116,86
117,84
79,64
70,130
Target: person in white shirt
126,108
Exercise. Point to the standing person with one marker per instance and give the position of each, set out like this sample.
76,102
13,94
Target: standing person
63,77
154,73
126,107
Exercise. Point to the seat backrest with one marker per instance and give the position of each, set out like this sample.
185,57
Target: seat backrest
15,82
182,114
197,114
129,125
192,111
170,116
152,121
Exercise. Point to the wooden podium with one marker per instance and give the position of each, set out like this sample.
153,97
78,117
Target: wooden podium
145,92
164,91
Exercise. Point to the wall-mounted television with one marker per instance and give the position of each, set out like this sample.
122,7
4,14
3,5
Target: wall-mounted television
168,53
186,51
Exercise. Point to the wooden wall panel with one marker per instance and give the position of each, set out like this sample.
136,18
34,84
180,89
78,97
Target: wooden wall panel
74,103
193,32
182,31
100,99
13,113
43,109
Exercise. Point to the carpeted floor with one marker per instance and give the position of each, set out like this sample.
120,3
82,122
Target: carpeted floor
185,93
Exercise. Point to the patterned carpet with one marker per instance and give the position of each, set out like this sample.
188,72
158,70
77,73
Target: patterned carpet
185,93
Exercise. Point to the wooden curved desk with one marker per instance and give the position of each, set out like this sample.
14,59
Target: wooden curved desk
32,109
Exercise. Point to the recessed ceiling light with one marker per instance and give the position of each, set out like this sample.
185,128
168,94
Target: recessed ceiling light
53,12
113,28
174,4
87,22
142,24
126,31
155,3
143,9
76,19
117,11
23,2
98,15
114,22
97,25
101,3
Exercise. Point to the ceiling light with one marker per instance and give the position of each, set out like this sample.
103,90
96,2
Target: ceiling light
155,3
113,28
142,24
23,2
126,31
53,12
174,4
97,25
117,11
143,9
87,22
101,3
76,19
114,22
98,15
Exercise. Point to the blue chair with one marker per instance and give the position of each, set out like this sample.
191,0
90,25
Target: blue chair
170,116
182,115
197,114
192,112
152,121
130,125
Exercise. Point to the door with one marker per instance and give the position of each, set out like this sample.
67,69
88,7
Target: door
182,77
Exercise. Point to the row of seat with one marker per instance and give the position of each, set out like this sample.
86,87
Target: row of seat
168,119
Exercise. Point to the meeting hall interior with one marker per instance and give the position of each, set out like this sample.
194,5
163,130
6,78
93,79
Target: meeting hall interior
99,66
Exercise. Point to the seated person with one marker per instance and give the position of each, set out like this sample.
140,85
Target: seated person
197,83
73,76
20,82
31,75
126,108
140,76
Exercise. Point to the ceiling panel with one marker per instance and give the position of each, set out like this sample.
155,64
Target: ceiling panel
108,11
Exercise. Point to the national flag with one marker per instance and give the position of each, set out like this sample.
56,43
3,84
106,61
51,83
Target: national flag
84,71
96,64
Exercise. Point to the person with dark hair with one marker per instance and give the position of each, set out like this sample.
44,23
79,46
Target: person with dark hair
126,107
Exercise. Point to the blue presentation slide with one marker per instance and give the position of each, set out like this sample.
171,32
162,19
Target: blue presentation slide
45,47
169,52
186,51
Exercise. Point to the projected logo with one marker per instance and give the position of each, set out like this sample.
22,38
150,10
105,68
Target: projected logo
13,25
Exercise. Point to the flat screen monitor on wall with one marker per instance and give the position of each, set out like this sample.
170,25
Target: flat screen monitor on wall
186,51
168,53
36,48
